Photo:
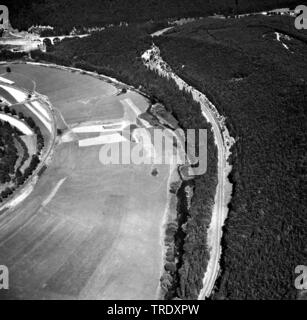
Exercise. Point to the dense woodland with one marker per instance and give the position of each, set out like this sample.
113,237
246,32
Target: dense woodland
8,152
9,136
66,14
262,89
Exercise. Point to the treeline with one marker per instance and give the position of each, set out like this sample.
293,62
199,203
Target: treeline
9,153
66,14
9,55
117,53
261,87
30,122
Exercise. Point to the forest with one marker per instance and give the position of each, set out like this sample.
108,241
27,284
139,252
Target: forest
260,85
64,15
8,152
9,172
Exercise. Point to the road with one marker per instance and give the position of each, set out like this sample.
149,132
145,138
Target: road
219,215
153,60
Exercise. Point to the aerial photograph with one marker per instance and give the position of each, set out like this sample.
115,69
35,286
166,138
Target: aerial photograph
153,150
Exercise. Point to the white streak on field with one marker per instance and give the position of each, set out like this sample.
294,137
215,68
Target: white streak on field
106,139
17,123
41,118
6,80
41,109
132,106
20,197
104,128
17,94
54,192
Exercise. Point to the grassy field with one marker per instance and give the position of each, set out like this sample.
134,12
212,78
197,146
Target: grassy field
88,231
79,97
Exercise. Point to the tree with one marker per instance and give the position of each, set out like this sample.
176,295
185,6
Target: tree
47,42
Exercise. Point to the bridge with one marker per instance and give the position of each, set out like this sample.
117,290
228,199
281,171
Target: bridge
60,38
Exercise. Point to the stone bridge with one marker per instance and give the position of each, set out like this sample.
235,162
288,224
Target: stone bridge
60,38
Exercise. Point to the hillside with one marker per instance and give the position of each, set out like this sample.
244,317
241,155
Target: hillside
257,78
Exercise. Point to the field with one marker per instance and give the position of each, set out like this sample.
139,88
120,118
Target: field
76,96
88,230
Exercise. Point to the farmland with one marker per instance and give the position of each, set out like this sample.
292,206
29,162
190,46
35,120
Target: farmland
87,229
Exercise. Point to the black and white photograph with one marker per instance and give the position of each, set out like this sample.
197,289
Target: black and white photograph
153,150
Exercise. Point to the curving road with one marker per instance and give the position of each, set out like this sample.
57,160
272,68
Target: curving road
153,60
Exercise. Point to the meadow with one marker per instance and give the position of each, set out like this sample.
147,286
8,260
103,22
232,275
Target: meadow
88,230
